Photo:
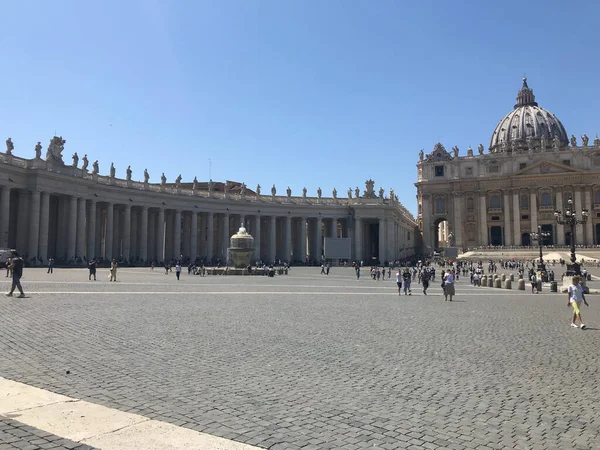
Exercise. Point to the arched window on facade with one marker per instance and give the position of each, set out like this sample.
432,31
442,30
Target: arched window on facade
495,202
546,200
440,206
524,202
470,204
597,198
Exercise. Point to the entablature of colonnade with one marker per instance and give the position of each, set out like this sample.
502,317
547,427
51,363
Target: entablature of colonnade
53,176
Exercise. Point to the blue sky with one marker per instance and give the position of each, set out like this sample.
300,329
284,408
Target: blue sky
287,92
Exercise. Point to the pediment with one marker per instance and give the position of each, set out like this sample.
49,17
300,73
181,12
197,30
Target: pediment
547,167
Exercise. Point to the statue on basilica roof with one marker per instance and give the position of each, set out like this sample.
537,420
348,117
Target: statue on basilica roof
597,142
84,166
146,176
421,155
9,146
573,141
480,149
584,140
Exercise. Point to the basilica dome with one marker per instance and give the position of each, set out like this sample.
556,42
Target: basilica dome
527,125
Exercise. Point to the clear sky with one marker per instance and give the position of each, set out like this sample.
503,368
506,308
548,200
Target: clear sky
288,92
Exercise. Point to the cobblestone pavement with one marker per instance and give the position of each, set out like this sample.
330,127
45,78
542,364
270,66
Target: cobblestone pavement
313,362
17,436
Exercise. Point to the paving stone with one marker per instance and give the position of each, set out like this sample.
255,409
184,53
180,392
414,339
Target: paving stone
309,361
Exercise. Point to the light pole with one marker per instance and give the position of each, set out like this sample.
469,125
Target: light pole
541,236
569,218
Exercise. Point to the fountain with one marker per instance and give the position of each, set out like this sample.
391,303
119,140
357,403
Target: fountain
241,247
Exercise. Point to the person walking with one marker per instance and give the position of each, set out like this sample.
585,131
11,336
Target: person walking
407,278
178,271
449,290
50,265
575,297
357,273
16,265
113,270
425,281
533,280
399,281
92,268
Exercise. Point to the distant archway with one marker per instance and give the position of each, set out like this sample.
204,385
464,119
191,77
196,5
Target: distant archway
441,235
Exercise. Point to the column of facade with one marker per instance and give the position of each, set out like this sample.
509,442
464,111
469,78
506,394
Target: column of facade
186,232
533,213
143,250
108,239
117,233
225,235
91,230
516,212
358,230
72,228
194,236
483,225
560,228
578,205
589,226
427,226
288,238
4,216
382,240
160,236
303,239
319,239
127,232
210,235
34,225
507,238
100,230
81,228
22,222
44,226
273,238
256,232
151,236
458,225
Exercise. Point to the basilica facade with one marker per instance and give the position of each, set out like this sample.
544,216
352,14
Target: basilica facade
49,209
503,196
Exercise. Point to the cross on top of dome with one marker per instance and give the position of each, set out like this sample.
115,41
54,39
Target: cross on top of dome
525,96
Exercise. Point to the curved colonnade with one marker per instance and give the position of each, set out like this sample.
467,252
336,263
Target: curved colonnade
50,210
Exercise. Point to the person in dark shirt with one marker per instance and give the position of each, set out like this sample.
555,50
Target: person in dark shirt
92,267
16,264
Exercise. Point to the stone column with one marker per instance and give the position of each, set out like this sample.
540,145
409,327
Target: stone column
256,235
134,248
382,241
127,232
507,232
144,234
194,236
108,240
533,217
426,215
160,236
225,235
516,210
273,238
4,216
210,223
81,226
288,238
458,225
72,228
483,225
34,225
589,226
560,228
319,239
578,205
44,226
91,231
358,230
186,231
22,222
117,233
177,234
303,239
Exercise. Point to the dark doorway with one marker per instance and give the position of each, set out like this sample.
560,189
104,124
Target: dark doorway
597,233
525,240
496,236
550,239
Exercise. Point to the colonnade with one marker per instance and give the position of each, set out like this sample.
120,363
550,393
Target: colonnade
42,225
